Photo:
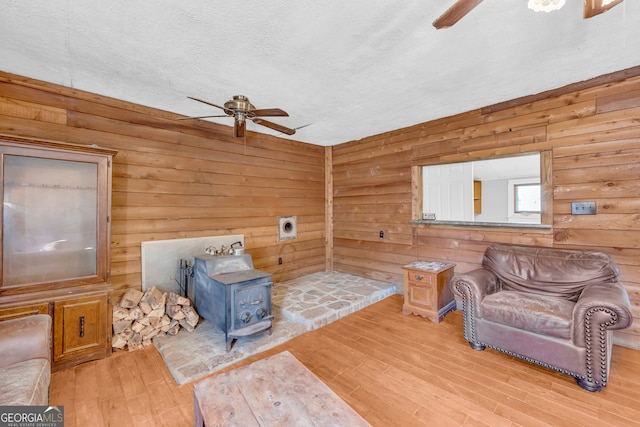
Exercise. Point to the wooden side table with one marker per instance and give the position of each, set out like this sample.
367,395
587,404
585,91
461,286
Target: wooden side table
426,289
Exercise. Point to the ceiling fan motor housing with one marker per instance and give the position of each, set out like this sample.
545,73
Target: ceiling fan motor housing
239,104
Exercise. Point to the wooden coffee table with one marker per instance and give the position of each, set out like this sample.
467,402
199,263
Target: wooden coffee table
276,391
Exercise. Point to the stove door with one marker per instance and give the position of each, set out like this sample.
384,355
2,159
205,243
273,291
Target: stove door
251,305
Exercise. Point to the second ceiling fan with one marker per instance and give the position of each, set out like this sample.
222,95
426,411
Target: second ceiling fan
462,7
242,110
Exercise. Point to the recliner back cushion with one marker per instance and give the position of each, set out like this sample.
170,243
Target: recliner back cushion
553,272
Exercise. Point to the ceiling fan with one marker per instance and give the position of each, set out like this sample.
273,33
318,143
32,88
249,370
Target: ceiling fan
462,7
242,110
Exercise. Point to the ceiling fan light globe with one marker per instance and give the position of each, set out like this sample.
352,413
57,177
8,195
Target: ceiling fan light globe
545,5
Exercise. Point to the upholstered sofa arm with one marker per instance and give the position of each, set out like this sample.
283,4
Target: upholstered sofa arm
470,288
473,286
601,307
25,338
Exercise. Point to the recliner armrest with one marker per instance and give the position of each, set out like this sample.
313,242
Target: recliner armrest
473,286
601,305
25,338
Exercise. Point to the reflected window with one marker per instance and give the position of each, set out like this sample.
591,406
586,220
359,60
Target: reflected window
527,198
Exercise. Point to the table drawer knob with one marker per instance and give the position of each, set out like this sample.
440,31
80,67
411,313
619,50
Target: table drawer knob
424,278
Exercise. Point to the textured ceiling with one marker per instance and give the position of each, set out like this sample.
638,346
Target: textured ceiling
349,69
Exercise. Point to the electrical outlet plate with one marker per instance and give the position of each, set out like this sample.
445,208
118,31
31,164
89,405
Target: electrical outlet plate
583,208
426,215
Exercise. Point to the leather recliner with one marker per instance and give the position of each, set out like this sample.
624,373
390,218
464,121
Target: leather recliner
553,307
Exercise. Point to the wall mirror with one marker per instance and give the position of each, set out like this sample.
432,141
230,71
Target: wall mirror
506,190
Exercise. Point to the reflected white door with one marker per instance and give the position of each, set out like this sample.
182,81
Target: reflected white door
448,191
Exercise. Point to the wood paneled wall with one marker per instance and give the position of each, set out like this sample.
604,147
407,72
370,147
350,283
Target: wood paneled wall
593,131
175,179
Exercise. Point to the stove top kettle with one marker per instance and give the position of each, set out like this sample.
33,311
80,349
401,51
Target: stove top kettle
236,251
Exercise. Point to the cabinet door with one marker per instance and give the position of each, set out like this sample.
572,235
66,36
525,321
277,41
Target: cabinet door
80,326
421,296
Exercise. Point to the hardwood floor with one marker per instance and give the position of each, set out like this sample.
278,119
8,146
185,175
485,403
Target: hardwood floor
393,369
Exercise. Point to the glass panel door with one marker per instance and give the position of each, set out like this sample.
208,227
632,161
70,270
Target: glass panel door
49,216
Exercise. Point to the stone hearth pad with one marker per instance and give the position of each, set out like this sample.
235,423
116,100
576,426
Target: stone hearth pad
299,305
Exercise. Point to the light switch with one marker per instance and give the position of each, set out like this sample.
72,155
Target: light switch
583,208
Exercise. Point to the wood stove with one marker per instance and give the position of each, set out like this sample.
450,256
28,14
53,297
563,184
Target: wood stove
233,295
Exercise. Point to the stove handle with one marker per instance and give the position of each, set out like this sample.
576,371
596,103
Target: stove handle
256,302
245,317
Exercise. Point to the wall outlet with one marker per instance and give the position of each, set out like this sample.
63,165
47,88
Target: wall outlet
279,260
382,234
426,215
583,208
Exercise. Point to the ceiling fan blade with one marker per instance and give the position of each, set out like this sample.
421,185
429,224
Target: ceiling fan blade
239,127
226,110
265,112
596,7
201,117
274,126
455,13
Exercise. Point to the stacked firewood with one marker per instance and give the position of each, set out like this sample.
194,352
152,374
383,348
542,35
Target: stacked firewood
138,317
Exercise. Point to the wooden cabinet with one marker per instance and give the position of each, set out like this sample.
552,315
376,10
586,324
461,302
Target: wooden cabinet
56,233
79,329
81,320
426,289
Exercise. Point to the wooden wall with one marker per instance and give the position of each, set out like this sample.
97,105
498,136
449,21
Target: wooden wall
593,131
175,179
